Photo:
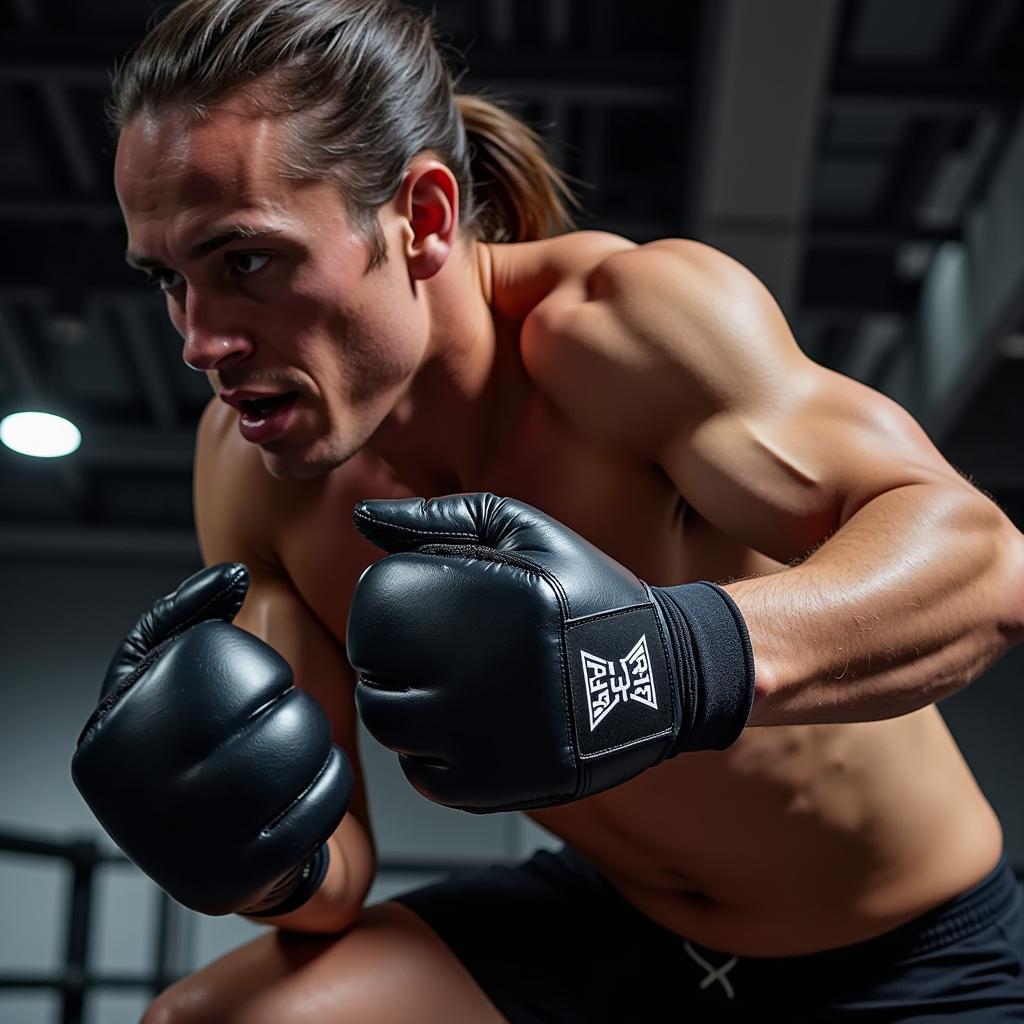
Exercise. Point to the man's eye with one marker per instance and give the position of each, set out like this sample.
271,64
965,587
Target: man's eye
165,280
249,262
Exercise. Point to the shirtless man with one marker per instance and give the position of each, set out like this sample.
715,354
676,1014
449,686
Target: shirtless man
793,829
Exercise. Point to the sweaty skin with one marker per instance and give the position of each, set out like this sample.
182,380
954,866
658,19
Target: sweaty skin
651,398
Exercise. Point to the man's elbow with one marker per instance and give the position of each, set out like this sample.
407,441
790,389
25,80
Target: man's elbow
1015,584
1007,578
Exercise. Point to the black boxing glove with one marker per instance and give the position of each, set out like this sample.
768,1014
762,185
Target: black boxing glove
513,665
205,765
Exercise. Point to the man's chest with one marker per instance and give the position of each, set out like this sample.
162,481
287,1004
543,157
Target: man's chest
627,508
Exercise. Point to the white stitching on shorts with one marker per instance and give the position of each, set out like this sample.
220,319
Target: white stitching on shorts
714,973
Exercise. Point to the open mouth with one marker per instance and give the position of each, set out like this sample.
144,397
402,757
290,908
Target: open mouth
256,409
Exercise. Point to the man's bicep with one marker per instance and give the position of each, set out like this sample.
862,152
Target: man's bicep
782,475
768,446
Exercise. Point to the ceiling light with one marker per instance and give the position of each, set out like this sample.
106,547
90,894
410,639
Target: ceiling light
39,434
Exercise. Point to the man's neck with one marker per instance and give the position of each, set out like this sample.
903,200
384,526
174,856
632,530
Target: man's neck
438,436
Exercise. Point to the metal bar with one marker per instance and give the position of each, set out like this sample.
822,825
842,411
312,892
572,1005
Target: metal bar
15,70
625,94
61,211
68,849
11,842
21,65
14,351
172,954
904,106
866,237
165,934
83,170
557,21
103,545
88,981
159,396
500,22
599,13
889,81
84,857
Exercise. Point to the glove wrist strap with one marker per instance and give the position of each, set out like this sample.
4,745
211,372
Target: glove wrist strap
295,888
714,664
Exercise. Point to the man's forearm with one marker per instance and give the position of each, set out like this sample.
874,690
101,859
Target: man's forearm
910,600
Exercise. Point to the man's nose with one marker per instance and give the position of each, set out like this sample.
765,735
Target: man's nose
214,350
213,340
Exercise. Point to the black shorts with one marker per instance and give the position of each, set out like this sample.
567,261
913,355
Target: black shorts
551,940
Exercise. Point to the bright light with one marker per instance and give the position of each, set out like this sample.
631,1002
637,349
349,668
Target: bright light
39,434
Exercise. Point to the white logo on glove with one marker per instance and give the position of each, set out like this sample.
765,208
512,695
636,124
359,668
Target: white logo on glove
607,687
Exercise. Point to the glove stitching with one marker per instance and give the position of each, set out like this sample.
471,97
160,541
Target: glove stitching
104,707
585,620
412,531
232,584
108,702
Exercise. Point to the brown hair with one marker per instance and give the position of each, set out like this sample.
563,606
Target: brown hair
371,90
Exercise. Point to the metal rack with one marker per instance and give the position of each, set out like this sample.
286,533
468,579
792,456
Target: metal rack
168,957
84,858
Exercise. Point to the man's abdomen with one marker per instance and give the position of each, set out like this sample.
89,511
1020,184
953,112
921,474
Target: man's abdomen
796,839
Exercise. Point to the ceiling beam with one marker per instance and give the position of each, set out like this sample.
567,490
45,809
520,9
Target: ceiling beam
972,298
86,212
758,143
84,173
909,105
152,449
142,345
889,80
29,60
104,545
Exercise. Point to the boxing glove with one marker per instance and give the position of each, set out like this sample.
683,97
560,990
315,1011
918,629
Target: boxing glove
513,665
205,765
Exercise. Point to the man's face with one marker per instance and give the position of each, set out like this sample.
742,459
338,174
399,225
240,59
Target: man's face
266,282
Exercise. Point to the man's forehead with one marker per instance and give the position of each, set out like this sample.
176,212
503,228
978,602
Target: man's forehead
230,148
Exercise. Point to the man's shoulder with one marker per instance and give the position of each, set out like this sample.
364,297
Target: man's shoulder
668,268
524,274
645,331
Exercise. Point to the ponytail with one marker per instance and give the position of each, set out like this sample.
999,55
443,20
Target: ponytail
518,194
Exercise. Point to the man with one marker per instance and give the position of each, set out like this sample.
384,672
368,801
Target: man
608,429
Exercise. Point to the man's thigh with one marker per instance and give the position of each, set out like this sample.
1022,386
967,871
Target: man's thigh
390,968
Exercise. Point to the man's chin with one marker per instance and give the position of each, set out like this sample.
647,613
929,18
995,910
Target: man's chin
293,464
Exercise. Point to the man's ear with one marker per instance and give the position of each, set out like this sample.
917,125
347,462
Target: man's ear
429,202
